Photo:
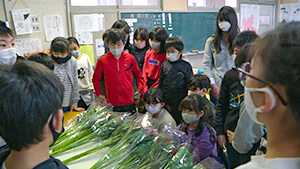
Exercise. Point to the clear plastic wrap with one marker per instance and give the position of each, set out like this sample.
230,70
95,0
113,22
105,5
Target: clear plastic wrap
211,163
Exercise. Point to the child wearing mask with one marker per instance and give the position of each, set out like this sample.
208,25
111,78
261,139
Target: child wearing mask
217,59
156,113
141,45
85,74
65,67
117,68
31,117
174,76
154,57
203,136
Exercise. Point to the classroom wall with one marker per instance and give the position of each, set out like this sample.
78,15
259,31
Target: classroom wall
2,13
289,1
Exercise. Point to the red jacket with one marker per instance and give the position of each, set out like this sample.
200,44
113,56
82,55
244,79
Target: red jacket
152,67
118,79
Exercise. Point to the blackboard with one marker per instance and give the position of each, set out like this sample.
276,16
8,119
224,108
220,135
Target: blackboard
192,27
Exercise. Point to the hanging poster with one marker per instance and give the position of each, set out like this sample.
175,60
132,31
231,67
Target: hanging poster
249,17
84,38
89,22
28,45
53,26
22,21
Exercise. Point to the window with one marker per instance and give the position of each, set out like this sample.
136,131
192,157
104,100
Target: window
93,3
140,2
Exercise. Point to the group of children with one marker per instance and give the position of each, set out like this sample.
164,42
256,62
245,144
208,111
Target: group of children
153,70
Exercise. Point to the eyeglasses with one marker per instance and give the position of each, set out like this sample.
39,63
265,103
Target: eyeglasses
244,73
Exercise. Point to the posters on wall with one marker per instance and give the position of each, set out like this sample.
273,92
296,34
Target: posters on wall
36,23
84,38
22,21
100,47
89,22
28,45
289,12
249,17
89,50
53,26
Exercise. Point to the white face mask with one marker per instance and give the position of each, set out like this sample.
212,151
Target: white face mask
153,109
8,56
154,45
250,107
172,57
224,26
116,52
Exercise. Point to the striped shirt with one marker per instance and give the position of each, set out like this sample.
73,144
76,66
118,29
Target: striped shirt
60,71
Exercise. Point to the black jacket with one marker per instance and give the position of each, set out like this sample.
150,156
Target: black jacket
51,163
173,80
140,56
230,99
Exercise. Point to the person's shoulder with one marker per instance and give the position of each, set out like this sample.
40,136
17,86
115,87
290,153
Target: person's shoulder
52,163
210,39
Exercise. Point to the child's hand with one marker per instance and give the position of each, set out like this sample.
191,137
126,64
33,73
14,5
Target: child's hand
222,141
215,90
230,135
79,109
103,100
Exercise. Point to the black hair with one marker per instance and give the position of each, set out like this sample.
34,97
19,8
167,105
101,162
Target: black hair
60,44
73,40
161,35
120,24
197,103
42,58
175,42
243,55
4,30
30,94
114,35
154,96
144,34
199,80
105,34
279,52
244,38
226,13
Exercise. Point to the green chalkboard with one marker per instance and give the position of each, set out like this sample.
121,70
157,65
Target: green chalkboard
192,27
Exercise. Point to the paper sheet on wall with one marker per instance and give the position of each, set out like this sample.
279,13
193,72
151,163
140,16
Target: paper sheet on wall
289,12
89,22
36,23
22,21
84,38
28,45
88,49
249,17
53,26
99,47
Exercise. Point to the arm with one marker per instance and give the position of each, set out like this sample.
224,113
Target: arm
145,75
75,92
246,133
161,77
208,62
138,76
90,69
97,78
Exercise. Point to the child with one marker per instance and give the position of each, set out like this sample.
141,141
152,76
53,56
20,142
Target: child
42,58
117,68
141,45
228,107
158,115
217,59
85,74
272,96
31,117
199,84
154,57
65,67
174,76
203,136
242,39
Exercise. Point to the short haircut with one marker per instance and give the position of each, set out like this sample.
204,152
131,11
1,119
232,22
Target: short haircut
245,37
144,34
4,30
161,35
120,24
105,34
154,95
175,42
201,81
60,44
42,58
73,40
243,55
114,35
30,94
